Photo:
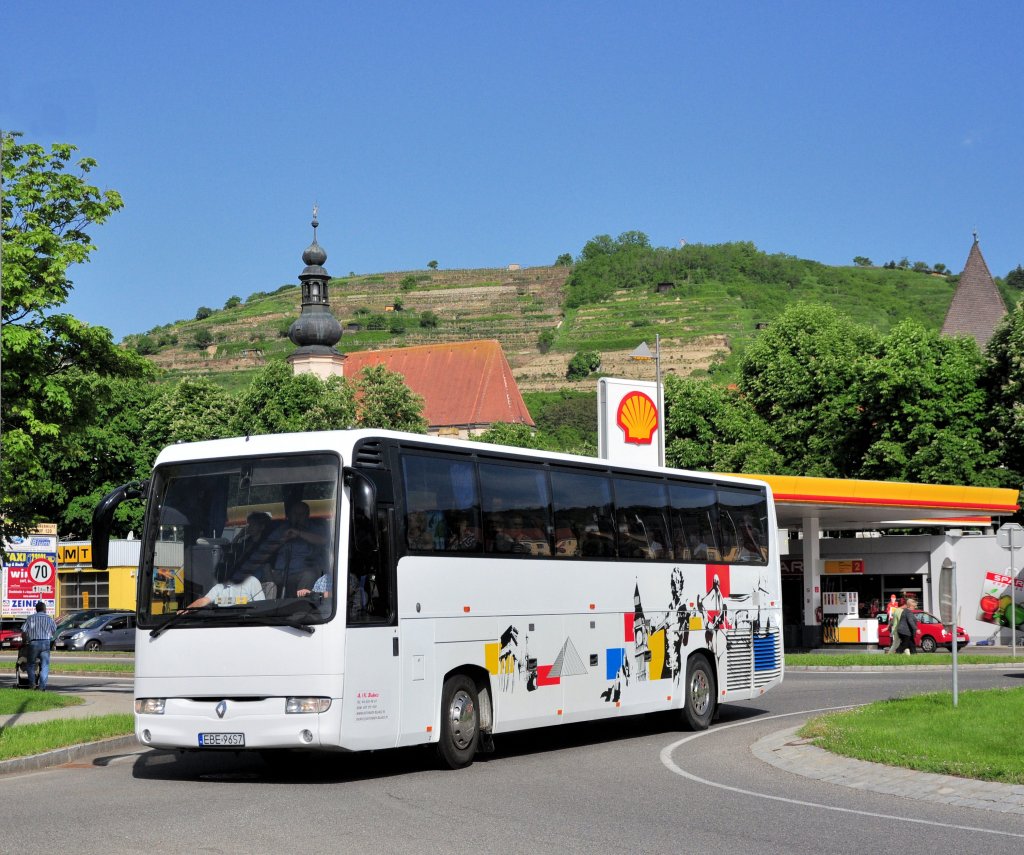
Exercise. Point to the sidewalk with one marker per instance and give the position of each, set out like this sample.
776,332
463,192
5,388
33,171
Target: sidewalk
94,703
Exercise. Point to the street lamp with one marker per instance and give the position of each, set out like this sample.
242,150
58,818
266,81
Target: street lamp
643,354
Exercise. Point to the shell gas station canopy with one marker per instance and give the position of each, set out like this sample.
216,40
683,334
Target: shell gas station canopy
841,504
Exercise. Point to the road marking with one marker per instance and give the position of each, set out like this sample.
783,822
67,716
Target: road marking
669,763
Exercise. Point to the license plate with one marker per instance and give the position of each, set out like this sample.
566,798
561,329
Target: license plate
58,644
233,740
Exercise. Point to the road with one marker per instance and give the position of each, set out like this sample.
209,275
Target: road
638,785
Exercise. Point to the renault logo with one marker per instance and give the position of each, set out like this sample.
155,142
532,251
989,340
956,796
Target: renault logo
222,708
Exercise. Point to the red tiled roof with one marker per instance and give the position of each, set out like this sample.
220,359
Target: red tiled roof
977,304
466,383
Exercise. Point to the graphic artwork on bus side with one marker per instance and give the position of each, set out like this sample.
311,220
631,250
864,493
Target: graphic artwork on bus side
510,668
508,662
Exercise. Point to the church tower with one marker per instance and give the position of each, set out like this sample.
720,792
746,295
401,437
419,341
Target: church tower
977,304
316,330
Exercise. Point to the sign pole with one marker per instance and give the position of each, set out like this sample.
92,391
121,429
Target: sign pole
661,400
956,646
1013,600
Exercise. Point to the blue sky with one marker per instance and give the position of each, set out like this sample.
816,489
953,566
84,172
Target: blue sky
481,134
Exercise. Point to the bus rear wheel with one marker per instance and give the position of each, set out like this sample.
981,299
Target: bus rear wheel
460,722
699,695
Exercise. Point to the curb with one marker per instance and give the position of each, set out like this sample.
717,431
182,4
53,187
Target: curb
791,753
68,754
947,667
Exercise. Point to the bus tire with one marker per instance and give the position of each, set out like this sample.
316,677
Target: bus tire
699,694
460,722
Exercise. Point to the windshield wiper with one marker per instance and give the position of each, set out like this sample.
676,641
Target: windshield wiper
177,616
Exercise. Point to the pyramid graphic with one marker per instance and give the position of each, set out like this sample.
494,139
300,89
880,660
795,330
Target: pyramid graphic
568,662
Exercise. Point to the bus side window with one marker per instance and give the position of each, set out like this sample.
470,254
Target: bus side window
582,503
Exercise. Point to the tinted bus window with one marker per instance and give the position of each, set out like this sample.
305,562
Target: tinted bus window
583,514
694,522
516,510
640,518
743,517
442,507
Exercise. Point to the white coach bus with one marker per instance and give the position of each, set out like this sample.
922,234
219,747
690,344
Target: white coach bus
361,590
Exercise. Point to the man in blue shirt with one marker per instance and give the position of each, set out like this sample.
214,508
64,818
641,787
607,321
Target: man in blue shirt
299,558
39,630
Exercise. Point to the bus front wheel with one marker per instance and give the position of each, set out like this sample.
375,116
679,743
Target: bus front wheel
700,694
460,722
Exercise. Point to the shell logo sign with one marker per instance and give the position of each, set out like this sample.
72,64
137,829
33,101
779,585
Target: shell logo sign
637,415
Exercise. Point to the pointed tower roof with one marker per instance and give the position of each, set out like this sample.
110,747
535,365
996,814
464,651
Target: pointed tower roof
977,304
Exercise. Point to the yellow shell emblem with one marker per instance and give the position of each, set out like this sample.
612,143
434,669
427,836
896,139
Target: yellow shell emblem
638,418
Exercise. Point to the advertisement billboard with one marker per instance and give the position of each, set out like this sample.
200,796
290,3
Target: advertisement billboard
29,574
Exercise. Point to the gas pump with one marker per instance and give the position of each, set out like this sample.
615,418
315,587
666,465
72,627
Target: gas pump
840,623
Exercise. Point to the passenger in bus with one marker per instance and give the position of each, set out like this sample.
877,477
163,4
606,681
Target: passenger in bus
299,551
252,548
240,588
417,534
698,548
464,537
750,541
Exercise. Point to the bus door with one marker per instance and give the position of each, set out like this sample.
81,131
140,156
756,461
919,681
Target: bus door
372,704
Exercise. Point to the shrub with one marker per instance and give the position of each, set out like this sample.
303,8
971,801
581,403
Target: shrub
583,364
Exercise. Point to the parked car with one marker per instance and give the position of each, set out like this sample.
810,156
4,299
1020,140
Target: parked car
933,633
10,639
107,632
75,619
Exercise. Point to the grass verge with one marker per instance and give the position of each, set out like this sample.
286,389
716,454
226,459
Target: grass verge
27,739
928,734
14,701
842,660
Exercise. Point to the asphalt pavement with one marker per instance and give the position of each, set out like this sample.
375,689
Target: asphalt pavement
782,749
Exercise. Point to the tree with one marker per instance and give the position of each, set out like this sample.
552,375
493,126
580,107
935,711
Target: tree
940,268
232,301
802,376
193,410
203,312
583,364
408,283
202,337
1015,279
429,320
545,340
279,401
506,433
862,261
1003,382
432,265
564,260
384,401
51,360
920,267
113,449
715,429
920,400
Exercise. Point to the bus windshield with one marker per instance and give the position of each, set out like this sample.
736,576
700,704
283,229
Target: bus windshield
246,540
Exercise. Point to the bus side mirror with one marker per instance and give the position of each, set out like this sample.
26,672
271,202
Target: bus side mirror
362,495
103,518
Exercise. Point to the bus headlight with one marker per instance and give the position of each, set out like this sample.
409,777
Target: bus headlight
150,706
307,705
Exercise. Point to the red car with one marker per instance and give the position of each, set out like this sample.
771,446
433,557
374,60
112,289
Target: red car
932,633
10,639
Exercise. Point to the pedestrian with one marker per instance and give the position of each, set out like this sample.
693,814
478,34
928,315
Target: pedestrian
39,630
907,628
895,612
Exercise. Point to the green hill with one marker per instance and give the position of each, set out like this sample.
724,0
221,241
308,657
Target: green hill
706,303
